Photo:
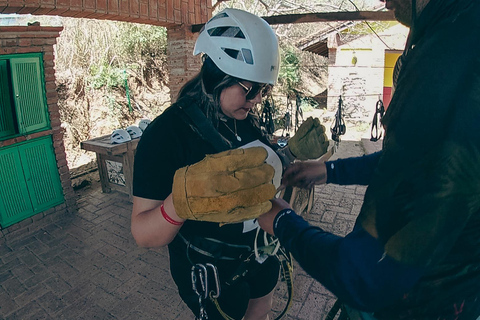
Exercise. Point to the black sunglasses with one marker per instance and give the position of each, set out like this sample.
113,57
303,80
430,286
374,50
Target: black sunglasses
254,90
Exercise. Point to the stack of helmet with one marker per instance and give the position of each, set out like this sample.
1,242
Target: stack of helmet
132,132
143,124
119,136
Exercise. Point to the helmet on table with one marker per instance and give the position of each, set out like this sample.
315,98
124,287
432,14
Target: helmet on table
120,136
241,45
143,124
134,132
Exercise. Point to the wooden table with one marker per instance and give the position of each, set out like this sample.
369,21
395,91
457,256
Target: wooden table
115,163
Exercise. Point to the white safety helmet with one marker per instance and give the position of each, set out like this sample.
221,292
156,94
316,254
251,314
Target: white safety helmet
143,124
242,45
120,136
134,131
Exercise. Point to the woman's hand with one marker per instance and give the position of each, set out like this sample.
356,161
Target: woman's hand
305,174
266,220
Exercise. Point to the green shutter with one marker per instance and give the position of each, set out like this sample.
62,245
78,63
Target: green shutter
15,202
29,94
41,173
7,126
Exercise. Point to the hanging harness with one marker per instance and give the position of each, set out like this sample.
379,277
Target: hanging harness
298,110
376,130
338,127
266,120
249,257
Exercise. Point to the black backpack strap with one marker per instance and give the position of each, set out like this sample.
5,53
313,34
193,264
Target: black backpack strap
194,116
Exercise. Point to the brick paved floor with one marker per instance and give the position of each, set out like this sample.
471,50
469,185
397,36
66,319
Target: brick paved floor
87,266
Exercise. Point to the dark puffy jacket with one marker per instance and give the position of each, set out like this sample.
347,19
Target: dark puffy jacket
423,202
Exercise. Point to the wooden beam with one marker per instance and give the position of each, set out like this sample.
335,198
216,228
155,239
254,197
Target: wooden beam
323,17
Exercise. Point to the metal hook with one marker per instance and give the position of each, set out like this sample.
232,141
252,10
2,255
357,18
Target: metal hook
199,280
217,281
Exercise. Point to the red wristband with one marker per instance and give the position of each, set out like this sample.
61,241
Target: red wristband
168,219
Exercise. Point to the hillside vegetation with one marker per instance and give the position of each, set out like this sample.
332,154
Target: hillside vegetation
112,74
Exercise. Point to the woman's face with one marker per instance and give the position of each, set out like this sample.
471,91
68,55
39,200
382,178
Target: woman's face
234,103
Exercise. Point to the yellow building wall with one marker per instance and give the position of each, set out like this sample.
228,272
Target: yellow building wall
390,60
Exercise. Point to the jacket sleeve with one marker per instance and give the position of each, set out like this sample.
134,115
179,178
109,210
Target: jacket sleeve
355,170
354,268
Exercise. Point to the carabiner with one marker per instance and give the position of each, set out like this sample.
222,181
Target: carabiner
217,282
199,280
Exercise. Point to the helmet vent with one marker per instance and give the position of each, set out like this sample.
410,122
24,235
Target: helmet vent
247,55
218,16
244,55
229,32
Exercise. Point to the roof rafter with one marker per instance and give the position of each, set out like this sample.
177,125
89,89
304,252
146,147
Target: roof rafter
323,17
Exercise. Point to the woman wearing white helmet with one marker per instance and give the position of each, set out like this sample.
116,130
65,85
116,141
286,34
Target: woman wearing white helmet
240,65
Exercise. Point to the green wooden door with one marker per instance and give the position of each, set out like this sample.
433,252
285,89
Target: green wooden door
29,180
28,91
41,173
15,204
7,126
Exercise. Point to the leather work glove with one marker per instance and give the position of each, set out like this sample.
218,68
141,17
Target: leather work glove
310,141
227,187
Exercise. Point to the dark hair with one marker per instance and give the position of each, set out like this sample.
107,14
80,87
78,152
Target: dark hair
206,87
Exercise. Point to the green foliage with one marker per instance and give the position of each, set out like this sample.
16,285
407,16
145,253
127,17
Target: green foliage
114,107
308,104
289,75
105,76
142,40
101,50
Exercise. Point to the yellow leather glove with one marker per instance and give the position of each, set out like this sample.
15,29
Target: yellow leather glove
310,141
230,186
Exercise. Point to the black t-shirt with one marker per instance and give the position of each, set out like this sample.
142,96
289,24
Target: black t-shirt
170,143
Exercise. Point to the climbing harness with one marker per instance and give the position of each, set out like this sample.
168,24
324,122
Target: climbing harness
338,127
250,261
298,110
266,119
376,130
250,258
272,247
288,118
298,114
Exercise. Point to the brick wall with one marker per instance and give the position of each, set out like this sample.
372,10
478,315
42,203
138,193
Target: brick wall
162,13
30,39
176,15
182,65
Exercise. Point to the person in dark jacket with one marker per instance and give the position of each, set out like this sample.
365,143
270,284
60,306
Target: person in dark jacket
414,252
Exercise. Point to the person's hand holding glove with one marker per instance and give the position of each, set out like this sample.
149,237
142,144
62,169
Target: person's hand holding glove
310,141
231,186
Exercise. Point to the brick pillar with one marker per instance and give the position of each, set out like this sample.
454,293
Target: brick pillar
182,65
